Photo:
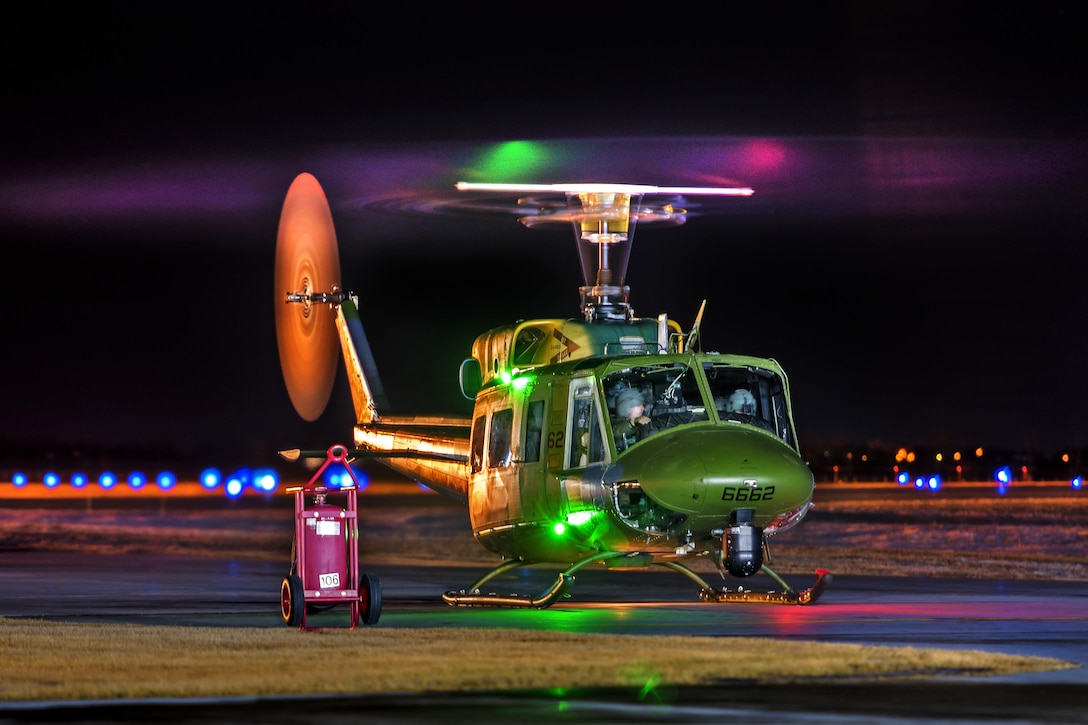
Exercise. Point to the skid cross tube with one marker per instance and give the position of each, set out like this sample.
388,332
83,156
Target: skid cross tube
473,597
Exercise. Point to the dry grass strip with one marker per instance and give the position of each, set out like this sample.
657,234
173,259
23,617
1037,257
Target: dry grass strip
71,661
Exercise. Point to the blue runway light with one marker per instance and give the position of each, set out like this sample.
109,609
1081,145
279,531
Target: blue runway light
903,478
919,483
1003,475
234,487
19,480
265,480
210,478
934,483
166,480
79,480
1077,482
136,480
51,480
107,481
339,477
336,477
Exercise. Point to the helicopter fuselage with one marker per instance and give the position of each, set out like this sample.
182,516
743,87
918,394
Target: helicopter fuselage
546,479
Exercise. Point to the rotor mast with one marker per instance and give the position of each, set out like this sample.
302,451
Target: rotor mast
603,230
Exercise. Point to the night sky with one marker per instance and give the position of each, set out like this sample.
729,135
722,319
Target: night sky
914,254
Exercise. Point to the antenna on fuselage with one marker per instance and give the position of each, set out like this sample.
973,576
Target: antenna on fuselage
603,217
694,334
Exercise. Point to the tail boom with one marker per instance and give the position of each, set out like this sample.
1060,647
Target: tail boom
431,450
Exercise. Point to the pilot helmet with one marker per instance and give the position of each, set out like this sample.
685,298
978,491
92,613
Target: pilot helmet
741,401
627,399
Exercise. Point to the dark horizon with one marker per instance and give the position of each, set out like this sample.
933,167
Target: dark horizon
913,254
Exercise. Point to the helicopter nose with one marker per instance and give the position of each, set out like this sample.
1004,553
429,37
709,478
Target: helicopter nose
711,472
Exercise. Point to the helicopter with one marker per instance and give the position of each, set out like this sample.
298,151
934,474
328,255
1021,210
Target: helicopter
708,468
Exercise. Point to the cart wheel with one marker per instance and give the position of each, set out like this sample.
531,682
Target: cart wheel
292,600
370,598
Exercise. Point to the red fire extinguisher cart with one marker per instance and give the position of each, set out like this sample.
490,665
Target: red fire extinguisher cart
325,554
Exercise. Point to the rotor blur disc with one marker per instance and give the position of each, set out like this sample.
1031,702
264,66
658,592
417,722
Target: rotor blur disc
307,262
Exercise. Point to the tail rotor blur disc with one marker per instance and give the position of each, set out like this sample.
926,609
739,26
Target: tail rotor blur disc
307,262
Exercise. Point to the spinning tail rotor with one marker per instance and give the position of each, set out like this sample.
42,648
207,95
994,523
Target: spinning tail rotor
308,273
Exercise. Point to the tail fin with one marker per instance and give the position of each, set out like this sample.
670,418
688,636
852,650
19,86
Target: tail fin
367,392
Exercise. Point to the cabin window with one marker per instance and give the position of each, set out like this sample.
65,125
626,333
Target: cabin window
498,447
476,458
528,344
669,396
534,430
750,395
586,443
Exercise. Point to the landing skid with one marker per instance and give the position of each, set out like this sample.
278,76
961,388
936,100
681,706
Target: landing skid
788,595
473,596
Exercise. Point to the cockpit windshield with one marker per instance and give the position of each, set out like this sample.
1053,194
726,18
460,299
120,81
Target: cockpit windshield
648,399
752,395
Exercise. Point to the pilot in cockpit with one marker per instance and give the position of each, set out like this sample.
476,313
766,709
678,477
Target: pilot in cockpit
741,405
631,423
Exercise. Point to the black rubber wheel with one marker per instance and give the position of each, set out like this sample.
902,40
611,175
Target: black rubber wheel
370,599
292,600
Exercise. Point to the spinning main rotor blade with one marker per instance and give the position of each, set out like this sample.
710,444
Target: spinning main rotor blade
588,188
